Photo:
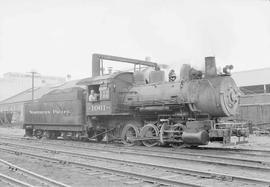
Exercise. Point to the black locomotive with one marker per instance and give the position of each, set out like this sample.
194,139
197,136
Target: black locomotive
127,107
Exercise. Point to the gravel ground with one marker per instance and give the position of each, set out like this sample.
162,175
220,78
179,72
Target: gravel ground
70,175
11,130
156,171
161,161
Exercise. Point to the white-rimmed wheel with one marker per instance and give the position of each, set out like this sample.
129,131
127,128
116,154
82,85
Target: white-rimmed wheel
129,133
151,133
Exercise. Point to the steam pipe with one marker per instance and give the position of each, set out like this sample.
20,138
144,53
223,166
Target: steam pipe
97,57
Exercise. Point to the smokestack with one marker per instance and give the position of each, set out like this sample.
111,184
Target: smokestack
210,67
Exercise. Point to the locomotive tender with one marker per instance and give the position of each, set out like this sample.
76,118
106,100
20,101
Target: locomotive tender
132,109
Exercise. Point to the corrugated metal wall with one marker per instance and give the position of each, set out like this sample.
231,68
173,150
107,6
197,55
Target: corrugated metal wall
255,108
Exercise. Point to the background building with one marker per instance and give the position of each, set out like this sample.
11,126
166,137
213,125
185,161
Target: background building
253,81
255,103
13,83
11,109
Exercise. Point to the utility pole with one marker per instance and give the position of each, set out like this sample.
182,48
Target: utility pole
33,82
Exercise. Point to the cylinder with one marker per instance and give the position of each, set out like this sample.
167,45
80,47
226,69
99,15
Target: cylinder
195,138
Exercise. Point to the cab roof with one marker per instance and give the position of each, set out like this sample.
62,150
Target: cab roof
102,79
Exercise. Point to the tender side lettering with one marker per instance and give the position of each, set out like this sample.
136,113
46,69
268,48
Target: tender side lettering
39,112
63,112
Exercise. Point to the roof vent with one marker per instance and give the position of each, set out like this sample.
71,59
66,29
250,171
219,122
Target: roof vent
139,77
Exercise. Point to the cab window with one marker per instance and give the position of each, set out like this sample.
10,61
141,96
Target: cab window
93,93
104,92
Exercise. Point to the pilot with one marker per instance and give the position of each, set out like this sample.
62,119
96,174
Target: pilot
92,96
172,76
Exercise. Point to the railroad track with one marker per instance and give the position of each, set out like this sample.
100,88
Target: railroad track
242,163
164,167
223,153
12,181
105,169
214,150
237,155
187,156
237,150
11,178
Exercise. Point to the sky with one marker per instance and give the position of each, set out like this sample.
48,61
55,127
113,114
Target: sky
58,37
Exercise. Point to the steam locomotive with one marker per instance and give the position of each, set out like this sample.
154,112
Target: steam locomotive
132,109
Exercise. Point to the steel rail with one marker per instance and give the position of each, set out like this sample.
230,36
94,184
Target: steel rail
228,150
197,148
168,152
110,170
182,151
199,154
177,157
34,174
257,152
14,181
233,149
175,169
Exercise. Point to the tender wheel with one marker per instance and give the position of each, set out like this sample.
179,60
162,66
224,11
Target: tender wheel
38,133
129,132
150,131
52,134
47,134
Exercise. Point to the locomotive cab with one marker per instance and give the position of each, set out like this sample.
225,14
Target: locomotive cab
107,91
97,93
103,102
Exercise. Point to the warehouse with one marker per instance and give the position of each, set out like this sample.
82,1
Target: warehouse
253,81
255,101
12,83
